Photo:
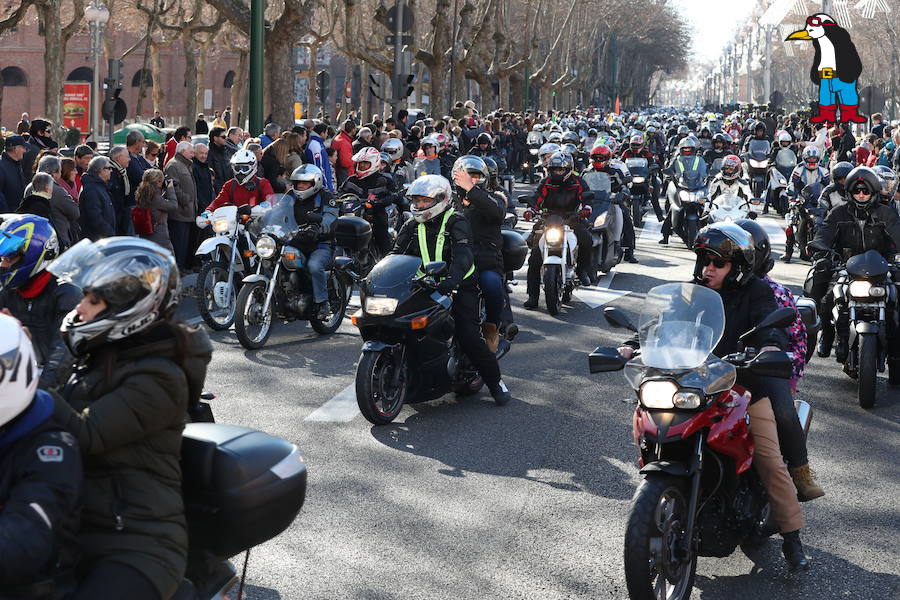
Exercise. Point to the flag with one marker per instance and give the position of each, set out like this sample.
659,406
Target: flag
618,106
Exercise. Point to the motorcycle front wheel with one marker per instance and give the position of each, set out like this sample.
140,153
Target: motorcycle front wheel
381,386
251,325
637,212
868,370
337,305
217,316
655,529
553,288
691,229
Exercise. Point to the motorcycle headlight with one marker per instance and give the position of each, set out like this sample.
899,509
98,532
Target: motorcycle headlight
533,151
686,399
600,221
381,307
864,289
758,164
639,179
221,225
553,235
265,247
658,394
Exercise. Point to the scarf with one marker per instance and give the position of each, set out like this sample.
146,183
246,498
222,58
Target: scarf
124,173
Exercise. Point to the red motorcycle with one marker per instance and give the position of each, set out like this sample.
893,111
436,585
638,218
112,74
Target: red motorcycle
699,496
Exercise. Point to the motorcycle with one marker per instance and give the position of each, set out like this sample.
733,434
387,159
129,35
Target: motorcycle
352,205
227,256
606,232
687,199
699,495
281,288
408,354
640,188
531,165
757,163
779,176
729,207
802,215
864,292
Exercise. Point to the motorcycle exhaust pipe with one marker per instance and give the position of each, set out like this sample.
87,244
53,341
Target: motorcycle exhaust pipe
804,413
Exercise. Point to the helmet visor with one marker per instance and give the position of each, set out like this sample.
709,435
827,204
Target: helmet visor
242,169
11,245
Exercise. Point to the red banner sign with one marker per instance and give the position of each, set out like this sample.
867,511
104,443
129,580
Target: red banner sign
77,105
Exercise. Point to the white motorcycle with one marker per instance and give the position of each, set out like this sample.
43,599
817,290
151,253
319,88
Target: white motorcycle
729,207
227,256
779,176
559,248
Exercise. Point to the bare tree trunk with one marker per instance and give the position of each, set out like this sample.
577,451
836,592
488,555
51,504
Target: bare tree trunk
190,79
280,86
201,77
312,83
239,86
365,98
159,93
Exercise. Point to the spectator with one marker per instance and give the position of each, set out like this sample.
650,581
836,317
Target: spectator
137,164
218,121
219,155
203,178
12,181
157,120
68,172
316,155
295,157
24,124
274,158
182,134
37,197
201,126
226,116
234,138
42,154
98,217
878,124
271,133
120,191
257,151
151,153
876,153
39,138
180,170
63,210
332,158
363,139
83,156
402,120
151,195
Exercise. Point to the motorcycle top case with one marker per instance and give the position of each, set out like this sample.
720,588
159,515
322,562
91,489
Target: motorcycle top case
352,233
515,249
241,486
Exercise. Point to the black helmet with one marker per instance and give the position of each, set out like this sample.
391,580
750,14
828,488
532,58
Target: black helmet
484,138
762,257
726,240
560,160
721,137
759,125
863,177
840,170
570,137
493,172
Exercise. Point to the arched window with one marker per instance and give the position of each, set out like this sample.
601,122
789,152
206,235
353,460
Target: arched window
136,80
229,80
81,74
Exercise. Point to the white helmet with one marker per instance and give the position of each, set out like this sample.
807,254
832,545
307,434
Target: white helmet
784,136
432,186
538,127
393,148
18,370
548,149
370,155
555,137
243,163
310,173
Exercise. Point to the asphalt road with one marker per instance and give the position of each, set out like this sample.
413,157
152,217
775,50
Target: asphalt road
463,499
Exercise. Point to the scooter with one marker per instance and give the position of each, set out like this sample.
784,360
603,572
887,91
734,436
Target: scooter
779,176
757,165
687,201
640,189
606,232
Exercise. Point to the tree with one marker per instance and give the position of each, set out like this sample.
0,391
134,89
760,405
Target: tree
12,19
56,38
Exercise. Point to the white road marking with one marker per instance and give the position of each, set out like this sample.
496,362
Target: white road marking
651,231
340,409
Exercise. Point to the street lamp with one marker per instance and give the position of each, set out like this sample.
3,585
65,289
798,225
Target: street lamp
97,16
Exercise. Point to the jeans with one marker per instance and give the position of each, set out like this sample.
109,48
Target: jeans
112,580
834,91
317,263
180,234
467,322
493,291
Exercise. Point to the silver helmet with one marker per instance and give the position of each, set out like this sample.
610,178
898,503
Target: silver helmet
436,188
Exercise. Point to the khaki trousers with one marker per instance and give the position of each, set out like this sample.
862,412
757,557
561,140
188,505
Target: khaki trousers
770,467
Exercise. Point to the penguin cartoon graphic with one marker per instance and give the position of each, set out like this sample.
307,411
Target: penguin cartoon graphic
835,69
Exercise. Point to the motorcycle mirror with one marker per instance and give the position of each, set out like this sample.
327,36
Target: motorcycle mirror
818,246
781,317
436,268
524,199
602,360
771,363
617,318
342,263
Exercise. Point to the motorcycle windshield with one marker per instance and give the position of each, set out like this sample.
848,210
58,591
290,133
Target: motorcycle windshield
279,221
598,181
636,163
391,277
868,265
786,158
758,149
715,167
729,201
680,325
812,192
691,180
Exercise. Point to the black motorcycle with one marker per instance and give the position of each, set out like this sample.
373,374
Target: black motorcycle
409,354
641,188
687,203
803,212
757,161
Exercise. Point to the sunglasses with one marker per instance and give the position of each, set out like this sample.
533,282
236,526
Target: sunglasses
860,191
715,261
817,22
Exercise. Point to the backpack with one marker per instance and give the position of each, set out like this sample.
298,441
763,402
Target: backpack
142,220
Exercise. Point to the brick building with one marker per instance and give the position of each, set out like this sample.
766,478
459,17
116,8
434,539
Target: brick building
22,63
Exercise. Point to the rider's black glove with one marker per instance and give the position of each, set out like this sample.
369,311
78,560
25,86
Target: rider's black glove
446,287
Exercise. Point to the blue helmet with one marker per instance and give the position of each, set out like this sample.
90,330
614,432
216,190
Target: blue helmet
33,240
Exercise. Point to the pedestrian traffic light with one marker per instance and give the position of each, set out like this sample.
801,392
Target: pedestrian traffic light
114,79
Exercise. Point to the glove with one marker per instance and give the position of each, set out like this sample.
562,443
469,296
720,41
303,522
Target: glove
529,215
446,287
244,210
585,213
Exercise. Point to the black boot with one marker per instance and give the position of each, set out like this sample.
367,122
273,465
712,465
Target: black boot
792,548
664,240
500,393
531,303
826,341
629,256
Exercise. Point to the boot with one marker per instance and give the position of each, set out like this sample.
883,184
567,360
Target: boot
664,240
826,114
792,548
805,482
629,256
531,303
500,393
840,352
849,114
825,342
491,336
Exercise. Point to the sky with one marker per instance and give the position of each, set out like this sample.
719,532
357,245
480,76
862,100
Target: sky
712,22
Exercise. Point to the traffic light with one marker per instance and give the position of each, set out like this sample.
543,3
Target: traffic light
323,86
409,89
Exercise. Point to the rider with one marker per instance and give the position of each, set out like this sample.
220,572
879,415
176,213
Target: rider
853,228
371,185
790,431
317,209
430,162
759,133
720,143
888,185
245,188
685,161
544,154
31,294
725,261
40,478
729,181
601,159
433,222
834,194
138,370
785,140
809,171
561,193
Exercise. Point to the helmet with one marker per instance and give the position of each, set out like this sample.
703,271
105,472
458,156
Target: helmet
759,125
32,239
726,240
611,143
555,137
888,180
484,138
555,127
762,247
570,137
572,149
548,149
721,137
432,186
783,137
471,164
636,142
442,139
137,279
18,370
538,127
393,148
307,173
688,146
592,132
863,177
430,140
560,160
683,130
600,154
367,155
811,157
493,172
731,167
243,163
385,159
840,170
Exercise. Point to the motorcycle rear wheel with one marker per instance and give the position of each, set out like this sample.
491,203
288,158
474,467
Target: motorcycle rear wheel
553,288
337,302
217,317
868,370
249,315
380,400
655,526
